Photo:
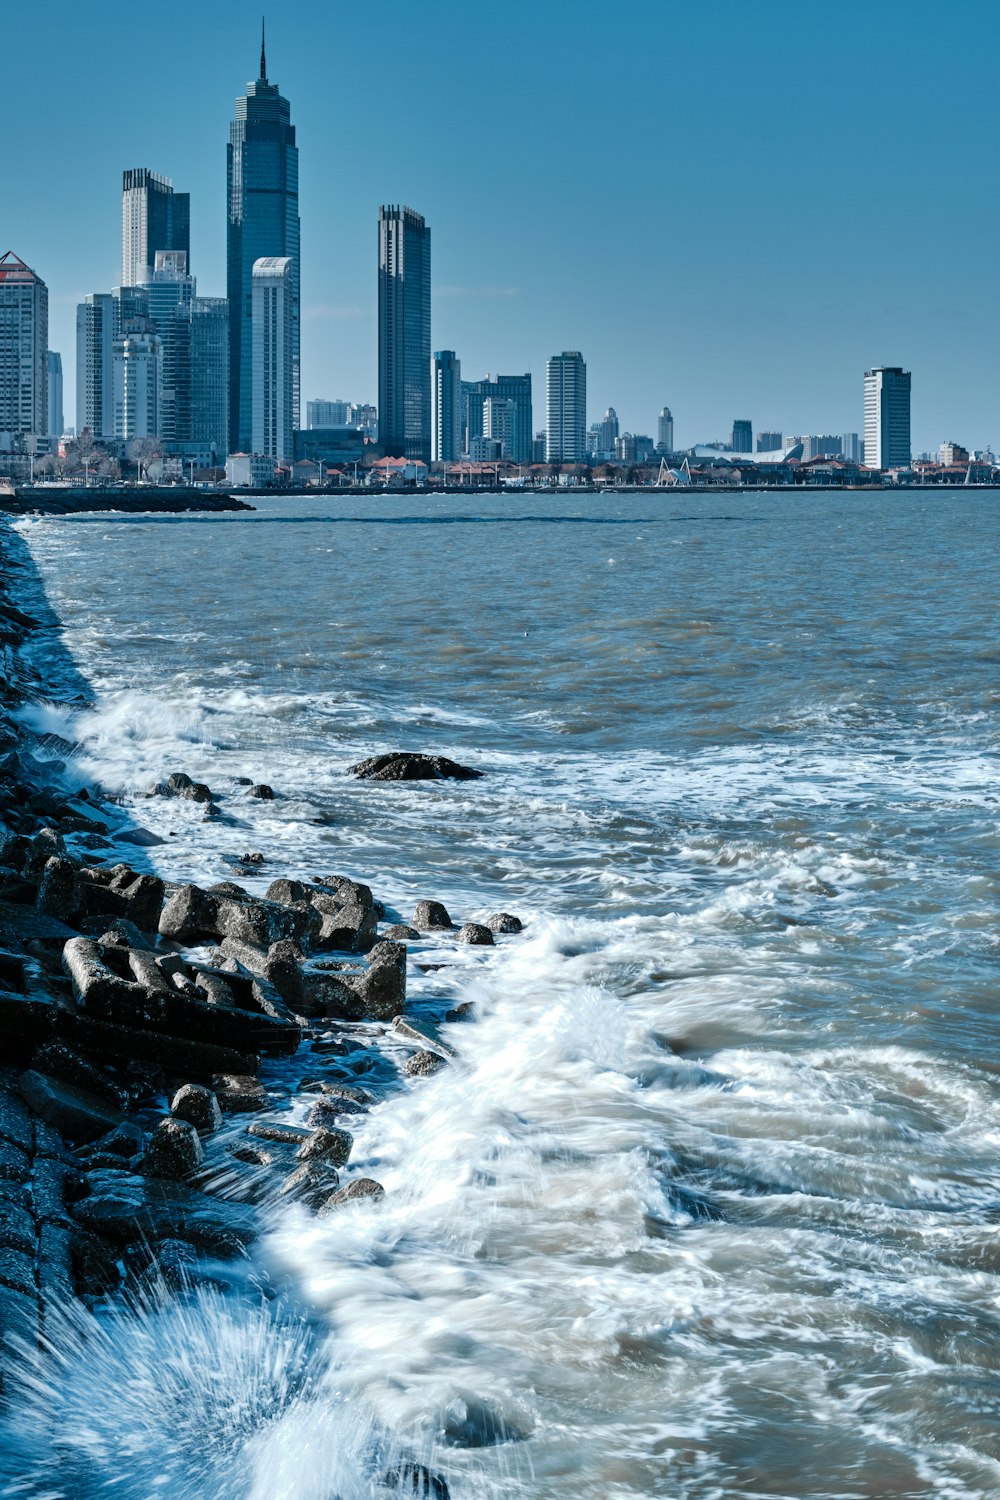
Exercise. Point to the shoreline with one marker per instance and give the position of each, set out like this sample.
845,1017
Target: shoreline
154,1034
23,500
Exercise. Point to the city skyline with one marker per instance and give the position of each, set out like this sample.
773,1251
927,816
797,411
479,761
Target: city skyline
743,308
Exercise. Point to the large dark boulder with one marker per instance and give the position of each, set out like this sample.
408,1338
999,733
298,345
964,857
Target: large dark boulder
406,765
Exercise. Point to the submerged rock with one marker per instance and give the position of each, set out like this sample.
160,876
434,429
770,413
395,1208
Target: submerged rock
404,765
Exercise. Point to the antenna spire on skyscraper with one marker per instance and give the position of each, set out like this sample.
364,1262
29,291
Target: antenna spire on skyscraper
263,59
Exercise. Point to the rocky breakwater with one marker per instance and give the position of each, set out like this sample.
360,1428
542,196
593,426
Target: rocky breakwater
137,1138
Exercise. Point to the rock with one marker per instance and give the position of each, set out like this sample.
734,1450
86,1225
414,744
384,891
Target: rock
416,1479
336,1091
327,1111
178,1055
47,844
18,1325
410,1032
174,1150
431,916
463,1012
128,1208
95,1265
238,1095
190,914
313,1182
361,1187
345,891
125,1141
282,967
179,784
76,1113
59,1061
401,933
344,929
143,838
284,1135
198,1106
502,921
382,988
422,1063
59,893
15,1122
33,1018
403,765
123,934
175,1263
475,932
262,791
15,1164
17,1227
326,995
287,892
327,1144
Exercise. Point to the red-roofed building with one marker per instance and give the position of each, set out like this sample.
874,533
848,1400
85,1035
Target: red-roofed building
24,343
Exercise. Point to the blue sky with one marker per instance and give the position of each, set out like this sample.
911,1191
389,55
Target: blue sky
731,208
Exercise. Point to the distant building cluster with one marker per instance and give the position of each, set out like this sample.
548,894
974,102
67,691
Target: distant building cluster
182,384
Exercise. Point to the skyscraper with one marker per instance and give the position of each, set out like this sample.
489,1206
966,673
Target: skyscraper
205,400
887,417
665,431
56,425
169,291
262,173
742,439
95,332
24,348
273,357
404,333
154,218
446,407
565,408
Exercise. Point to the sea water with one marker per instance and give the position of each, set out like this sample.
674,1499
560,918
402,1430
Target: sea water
708,1203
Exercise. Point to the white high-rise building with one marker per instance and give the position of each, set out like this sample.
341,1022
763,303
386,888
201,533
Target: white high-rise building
887,418
446,407
56,424
154,218
665,431
136,384
24,349
566,408
273,362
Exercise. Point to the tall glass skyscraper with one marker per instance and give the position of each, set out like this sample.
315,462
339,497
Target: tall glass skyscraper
263,185
404,334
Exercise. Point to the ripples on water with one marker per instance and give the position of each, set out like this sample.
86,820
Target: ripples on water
708,1205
